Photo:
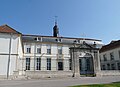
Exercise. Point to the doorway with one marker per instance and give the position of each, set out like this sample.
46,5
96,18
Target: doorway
86,66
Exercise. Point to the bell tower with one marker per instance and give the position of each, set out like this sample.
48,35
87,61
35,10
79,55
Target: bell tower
55,29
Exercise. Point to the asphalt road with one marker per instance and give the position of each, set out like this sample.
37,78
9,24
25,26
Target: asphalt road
58,82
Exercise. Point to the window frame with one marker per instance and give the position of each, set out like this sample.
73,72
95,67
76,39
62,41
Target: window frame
27,64
48,63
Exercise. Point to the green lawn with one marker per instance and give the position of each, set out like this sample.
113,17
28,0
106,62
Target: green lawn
117,84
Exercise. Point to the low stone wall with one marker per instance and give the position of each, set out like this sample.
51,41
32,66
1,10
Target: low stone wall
47,74
109,72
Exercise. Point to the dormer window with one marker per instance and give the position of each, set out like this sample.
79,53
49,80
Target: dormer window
59,40
37,39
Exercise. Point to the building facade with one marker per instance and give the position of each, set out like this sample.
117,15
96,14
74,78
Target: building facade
35,56
10,51
48,56
110,58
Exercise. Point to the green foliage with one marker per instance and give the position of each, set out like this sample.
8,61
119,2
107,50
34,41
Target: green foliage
101,85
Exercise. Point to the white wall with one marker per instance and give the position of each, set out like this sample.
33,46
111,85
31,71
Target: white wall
16,51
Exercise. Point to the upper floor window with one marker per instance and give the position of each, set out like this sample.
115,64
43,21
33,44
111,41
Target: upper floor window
28,50
59,50
105,57
111,56
48,49
39,50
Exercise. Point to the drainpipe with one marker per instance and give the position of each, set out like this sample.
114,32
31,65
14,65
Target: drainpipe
8,64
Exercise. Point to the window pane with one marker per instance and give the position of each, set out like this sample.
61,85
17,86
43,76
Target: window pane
39,50
48,63
27,63
113,66
112,56
38,64
105,57
59,50
108,66
48,49
70,64
119,53
28,50
118,64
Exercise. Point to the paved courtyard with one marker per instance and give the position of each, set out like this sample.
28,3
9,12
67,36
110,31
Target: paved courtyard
55,82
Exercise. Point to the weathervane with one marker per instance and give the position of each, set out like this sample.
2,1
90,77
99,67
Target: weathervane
56,20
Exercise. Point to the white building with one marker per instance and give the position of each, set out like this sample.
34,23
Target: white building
10,50
36,56
49,56
110,58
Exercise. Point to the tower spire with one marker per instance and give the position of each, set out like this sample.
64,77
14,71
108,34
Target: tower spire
56,20
55,29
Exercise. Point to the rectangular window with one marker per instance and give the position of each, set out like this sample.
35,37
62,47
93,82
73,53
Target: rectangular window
111,56
119,53
38,64
28,50
70,64
27,63
108,66
39,50
103,67
59,50
118,65
48,49
48,63
113,66
105,57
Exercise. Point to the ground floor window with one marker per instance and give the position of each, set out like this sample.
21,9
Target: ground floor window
38,63
108,66
113,66
118,64
48,63
70,64
60,65
27,63
103,67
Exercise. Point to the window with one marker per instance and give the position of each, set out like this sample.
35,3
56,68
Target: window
48,63
59,50
28,50
48,49
118,65
111,56
108,66
119,53
38,64
27,63
70,64
105,57
113,66
39,50
103,67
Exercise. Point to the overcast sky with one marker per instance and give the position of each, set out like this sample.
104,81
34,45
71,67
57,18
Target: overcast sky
96,19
